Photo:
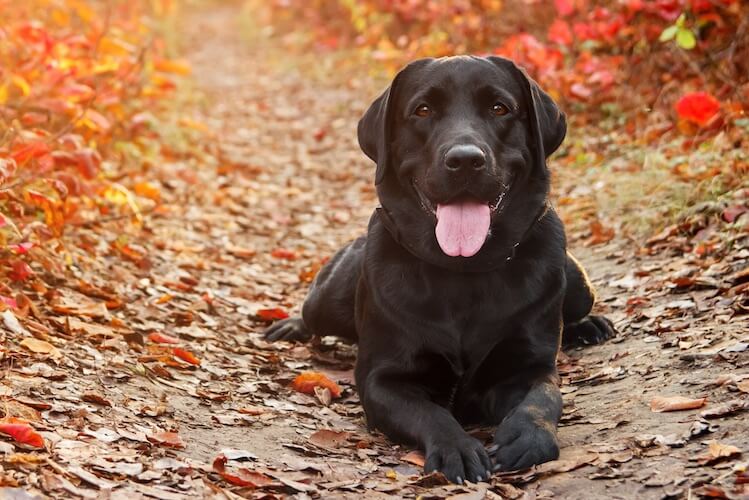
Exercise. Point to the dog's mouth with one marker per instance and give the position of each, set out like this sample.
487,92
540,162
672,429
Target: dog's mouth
463,222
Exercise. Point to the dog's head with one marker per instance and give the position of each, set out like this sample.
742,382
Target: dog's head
461,145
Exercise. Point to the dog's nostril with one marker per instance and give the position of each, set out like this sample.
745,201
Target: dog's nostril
465,156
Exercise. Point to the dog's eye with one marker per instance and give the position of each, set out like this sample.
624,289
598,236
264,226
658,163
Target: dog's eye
423,111
500,109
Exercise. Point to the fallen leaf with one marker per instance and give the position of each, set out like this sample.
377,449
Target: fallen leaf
167,439
725,409
675,403
21,432
96,398
283,253
717,452
240,475
329,439
162,338
414,457
272,314
307,381
41,347
186,356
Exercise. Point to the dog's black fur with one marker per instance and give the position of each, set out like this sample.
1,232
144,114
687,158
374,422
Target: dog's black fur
445,341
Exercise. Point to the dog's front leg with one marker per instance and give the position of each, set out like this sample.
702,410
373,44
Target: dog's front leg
403,409
528,433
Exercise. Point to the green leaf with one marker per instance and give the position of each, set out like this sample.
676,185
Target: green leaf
686,39
669,33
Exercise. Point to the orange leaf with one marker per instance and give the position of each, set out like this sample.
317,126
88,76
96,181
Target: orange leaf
241,476
147,190
675,403
283,253
168,439
162,338
307,381
172,66
21,432
272,314
186,356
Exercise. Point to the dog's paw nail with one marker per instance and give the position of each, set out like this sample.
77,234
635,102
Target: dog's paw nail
493,448
459,480
497,467
479,478
488,474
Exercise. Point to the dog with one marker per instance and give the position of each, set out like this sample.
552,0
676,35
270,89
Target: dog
462,290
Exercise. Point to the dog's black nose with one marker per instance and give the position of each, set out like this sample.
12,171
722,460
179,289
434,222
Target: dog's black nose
464,157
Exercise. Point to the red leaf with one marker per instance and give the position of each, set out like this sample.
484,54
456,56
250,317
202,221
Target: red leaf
698,107
21,432
29,151
283,253
8,301
162,338
241,476
733,212
560,32
564,7
272,314
21,248
186,356
307,381
20,271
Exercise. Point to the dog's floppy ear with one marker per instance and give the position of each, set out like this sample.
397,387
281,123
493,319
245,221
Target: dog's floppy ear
375,127
546,119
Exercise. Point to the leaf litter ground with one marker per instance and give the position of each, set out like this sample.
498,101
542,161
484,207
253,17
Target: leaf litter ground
148,377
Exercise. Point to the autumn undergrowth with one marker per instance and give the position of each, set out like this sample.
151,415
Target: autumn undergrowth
92,103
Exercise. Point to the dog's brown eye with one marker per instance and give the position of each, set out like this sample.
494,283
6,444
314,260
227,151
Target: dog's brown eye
500,109
423,111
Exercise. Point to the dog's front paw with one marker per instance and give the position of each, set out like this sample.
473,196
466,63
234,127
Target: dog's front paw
460,459
287,329
591,330
523,440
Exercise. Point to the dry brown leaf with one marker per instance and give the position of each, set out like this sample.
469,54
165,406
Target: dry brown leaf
96,398
41,347
717,452
675,403
167,439
415,457
329,439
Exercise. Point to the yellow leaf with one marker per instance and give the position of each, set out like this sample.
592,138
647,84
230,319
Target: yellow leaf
22,84
114,46
3,94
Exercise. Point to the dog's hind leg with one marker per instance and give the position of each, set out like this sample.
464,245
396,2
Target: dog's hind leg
580,327
329,306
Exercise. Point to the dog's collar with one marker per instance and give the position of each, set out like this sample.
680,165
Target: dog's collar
392,228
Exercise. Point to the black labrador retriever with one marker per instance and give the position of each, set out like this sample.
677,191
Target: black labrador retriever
462,290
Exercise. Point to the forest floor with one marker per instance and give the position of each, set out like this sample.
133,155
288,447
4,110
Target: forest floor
237,238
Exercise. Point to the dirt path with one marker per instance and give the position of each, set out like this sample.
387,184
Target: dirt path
242,236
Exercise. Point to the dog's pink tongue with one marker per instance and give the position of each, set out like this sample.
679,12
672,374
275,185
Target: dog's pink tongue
462,227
